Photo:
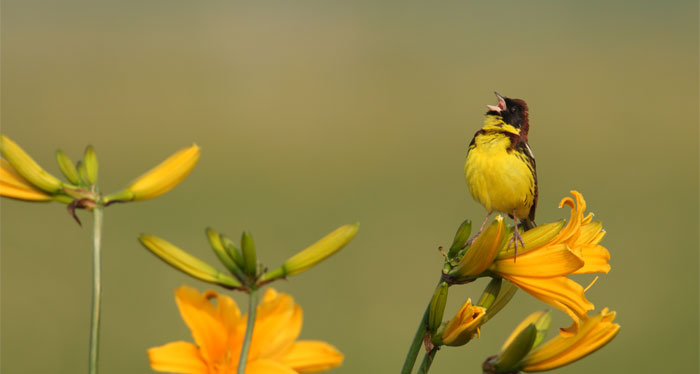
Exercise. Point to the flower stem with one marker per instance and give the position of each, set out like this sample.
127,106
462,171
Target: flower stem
416,343
96,289
427,361
252,308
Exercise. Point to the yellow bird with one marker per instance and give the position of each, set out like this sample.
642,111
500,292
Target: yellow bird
500,168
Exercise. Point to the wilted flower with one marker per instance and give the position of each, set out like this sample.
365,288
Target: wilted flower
218,331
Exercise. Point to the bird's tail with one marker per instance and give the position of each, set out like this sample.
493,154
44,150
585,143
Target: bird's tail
527,224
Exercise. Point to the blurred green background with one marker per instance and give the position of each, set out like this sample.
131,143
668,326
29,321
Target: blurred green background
315,114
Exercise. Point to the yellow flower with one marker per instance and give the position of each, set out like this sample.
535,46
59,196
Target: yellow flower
15,186
218,331
162,178
572,344
551,253
465,324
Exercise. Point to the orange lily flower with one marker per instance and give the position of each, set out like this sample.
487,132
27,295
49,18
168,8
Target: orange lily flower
218,332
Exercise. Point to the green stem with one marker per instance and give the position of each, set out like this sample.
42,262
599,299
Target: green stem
427,361
416,343
96,289
252,308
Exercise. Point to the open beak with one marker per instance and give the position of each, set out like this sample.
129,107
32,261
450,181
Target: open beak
501,104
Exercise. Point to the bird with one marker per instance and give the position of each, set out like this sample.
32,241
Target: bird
500,168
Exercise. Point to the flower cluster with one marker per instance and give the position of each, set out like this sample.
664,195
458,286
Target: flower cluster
551,253
22,178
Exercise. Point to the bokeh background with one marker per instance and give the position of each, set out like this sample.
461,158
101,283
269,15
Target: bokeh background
315,114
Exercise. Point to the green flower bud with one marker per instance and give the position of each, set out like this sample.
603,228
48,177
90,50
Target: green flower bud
233,251
250,261
67,167
460,239
518,348
437,306
220,251
490,293
185,262
91,165
315,253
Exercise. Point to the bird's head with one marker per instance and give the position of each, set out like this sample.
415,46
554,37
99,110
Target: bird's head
513,111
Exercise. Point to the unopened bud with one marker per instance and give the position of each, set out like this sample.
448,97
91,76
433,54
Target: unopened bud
250,260
27,167
437,306
67,167
185,262
460,239
91,165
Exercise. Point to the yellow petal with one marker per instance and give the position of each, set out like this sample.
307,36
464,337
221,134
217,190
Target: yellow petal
22,194
590,233
15,186
177,357
549,261
308,356
573,343
559,292
278,325
595,258
533,239
166,175
199,314
571,231
465,324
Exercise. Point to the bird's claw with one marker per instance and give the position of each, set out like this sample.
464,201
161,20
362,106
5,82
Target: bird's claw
514,242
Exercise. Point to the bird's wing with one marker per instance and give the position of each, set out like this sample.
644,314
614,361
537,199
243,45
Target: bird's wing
525,149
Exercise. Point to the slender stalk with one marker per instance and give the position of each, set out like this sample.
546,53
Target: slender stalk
416,343
96,289
427,361
252,308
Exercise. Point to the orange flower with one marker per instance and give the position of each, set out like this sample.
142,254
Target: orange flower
573,343
218,332
462,328
551,253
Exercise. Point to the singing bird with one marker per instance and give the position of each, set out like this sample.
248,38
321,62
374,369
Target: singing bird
500,168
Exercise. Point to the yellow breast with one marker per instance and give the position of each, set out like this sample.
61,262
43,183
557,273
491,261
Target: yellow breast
499,179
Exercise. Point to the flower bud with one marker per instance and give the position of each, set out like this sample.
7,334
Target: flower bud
220,251
233,251
27,167
250,261
437,306
460,239
161,178
529,333
518,348
91,165
482,252
14,186
185,262
488,297
315,253
67,167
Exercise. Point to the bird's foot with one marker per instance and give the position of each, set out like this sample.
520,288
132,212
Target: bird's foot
514,242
